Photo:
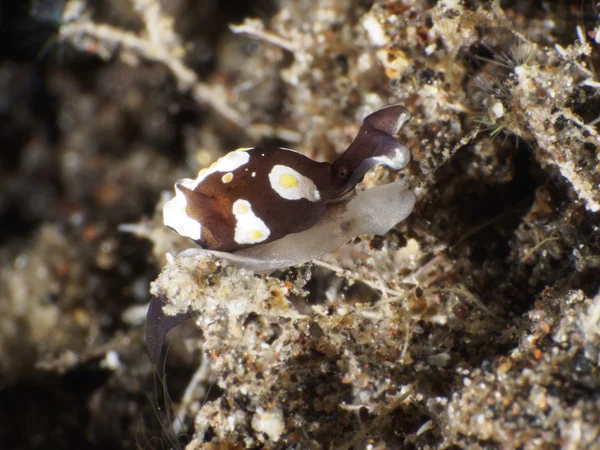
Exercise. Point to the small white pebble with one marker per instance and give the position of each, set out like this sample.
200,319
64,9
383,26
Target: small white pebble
496,110
430,49
439,360
270,422
425,427
375,30
111,360
364,62
135,315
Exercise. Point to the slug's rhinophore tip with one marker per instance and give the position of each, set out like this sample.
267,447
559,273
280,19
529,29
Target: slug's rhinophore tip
375,143
389,120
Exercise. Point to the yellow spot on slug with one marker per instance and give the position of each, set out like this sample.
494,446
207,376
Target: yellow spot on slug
227,177
242,208
288,181
249,229
254,235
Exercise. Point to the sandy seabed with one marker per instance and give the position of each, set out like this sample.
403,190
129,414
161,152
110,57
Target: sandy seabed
474,324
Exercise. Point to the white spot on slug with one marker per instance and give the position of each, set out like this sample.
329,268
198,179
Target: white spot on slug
249,229
227,177
396,159
292,185
175,214
228,163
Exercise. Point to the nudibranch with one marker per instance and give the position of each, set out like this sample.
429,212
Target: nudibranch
258,195
266,208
